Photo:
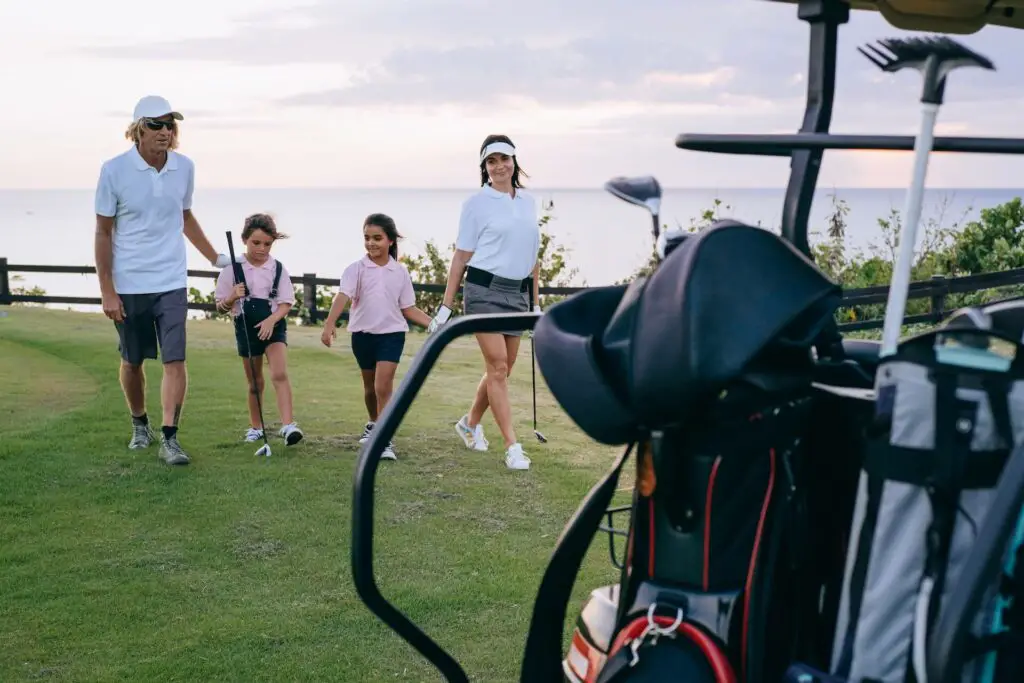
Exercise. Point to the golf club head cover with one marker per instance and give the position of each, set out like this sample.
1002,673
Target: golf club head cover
626,359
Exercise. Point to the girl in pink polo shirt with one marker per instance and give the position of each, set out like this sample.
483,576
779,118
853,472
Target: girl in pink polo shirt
383,302
270,297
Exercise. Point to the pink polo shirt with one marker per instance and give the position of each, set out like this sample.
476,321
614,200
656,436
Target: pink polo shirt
379,294
259,279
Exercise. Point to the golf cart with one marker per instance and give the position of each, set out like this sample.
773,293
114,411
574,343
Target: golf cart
769,465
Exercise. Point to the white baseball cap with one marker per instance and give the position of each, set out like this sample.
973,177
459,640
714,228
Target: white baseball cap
153,107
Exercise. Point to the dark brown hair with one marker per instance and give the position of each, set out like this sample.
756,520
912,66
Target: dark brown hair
264,222
516,171
387,224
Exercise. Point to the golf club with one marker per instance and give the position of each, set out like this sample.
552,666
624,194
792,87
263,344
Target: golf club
533,370
265,448
935,58
643,191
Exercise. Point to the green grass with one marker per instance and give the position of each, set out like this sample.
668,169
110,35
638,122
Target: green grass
115,567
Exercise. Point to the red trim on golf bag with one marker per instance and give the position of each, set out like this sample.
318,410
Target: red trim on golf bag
724,673
753,560
707,521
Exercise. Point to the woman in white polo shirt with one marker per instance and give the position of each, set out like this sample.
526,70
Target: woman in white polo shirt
496,250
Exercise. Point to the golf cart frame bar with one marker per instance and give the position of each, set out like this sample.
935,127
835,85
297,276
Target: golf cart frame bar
807,147
366,472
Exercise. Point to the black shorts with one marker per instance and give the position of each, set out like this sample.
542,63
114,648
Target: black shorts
370,349
153,322
255,344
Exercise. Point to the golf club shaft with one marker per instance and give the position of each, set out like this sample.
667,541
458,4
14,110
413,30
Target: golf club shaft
896,304
254,386
533,381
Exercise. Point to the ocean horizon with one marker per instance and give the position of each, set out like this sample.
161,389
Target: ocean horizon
607,239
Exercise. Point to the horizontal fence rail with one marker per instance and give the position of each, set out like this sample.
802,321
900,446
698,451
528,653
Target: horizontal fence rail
937,289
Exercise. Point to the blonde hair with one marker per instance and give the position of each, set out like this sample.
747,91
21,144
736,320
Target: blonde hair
134,133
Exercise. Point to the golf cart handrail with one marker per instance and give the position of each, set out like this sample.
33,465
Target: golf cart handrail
785,144
366,471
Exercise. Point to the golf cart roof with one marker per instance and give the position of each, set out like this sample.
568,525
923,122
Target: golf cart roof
944,16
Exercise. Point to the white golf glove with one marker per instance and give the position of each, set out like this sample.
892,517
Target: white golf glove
443,315
222,261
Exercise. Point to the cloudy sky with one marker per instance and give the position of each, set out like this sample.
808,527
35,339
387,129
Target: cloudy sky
399,93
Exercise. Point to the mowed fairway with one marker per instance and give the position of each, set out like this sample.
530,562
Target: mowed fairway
115,567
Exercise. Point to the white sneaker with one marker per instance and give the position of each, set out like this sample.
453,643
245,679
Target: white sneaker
291,434
366,432
254,434
389,452
515,459
473,438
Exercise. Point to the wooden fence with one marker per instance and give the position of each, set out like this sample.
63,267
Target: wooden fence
936,289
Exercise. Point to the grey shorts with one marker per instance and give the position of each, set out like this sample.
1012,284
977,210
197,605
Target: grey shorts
503,296
153,321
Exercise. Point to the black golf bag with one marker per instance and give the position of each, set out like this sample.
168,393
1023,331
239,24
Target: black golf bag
708,373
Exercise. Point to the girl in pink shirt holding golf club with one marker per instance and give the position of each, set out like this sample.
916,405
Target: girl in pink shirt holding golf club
383,303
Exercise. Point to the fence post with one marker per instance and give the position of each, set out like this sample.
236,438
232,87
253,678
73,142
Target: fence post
309,297
938,297
5,283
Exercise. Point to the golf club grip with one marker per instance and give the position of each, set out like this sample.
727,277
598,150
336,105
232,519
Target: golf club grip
231,255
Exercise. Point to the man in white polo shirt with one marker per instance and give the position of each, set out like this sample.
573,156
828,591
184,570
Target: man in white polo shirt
143,215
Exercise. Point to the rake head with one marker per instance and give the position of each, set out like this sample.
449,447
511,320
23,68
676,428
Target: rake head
934,56
899,53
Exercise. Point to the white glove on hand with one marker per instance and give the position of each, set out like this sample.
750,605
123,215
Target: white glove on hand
536,309
442,317
222,261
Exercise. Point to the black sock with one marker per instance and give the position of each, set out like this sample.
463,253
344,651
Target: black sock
169,432
140,419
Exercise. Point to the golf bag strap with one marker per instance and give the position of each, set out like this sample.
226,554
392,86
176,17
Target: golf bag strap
277,280
955,421
542,658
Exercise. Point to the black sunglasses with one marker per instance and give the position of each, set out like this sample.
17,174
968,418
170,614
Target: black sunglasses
154,124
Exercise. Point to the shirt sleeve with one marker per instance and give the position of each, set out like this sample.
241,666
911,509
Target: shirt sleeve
349,280
469,228
186,201
225,283
285,288
407,298
106,198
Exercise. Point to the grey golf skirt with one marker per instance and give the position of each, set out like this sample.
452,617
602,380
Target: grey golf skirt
484,293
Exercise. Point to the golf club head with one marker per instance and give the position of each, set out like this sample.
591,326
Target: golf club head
643,191
540,437
264,450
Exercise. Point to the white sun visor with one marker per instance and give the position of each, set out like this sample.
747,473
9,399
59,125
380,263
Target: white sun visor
497,147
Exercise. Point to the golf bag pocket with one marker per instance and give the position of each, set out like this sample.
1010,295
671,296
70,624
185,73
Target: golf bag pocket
656,648
946,418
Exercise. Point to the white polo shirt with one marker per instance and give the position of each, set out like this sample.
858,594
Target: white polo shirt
147,206
502,232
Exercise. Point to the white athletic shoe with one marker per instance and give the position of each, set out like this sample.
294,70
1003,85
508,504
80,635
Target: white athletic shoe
291,434
473,438
515,459
254,434
389,452
366,432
